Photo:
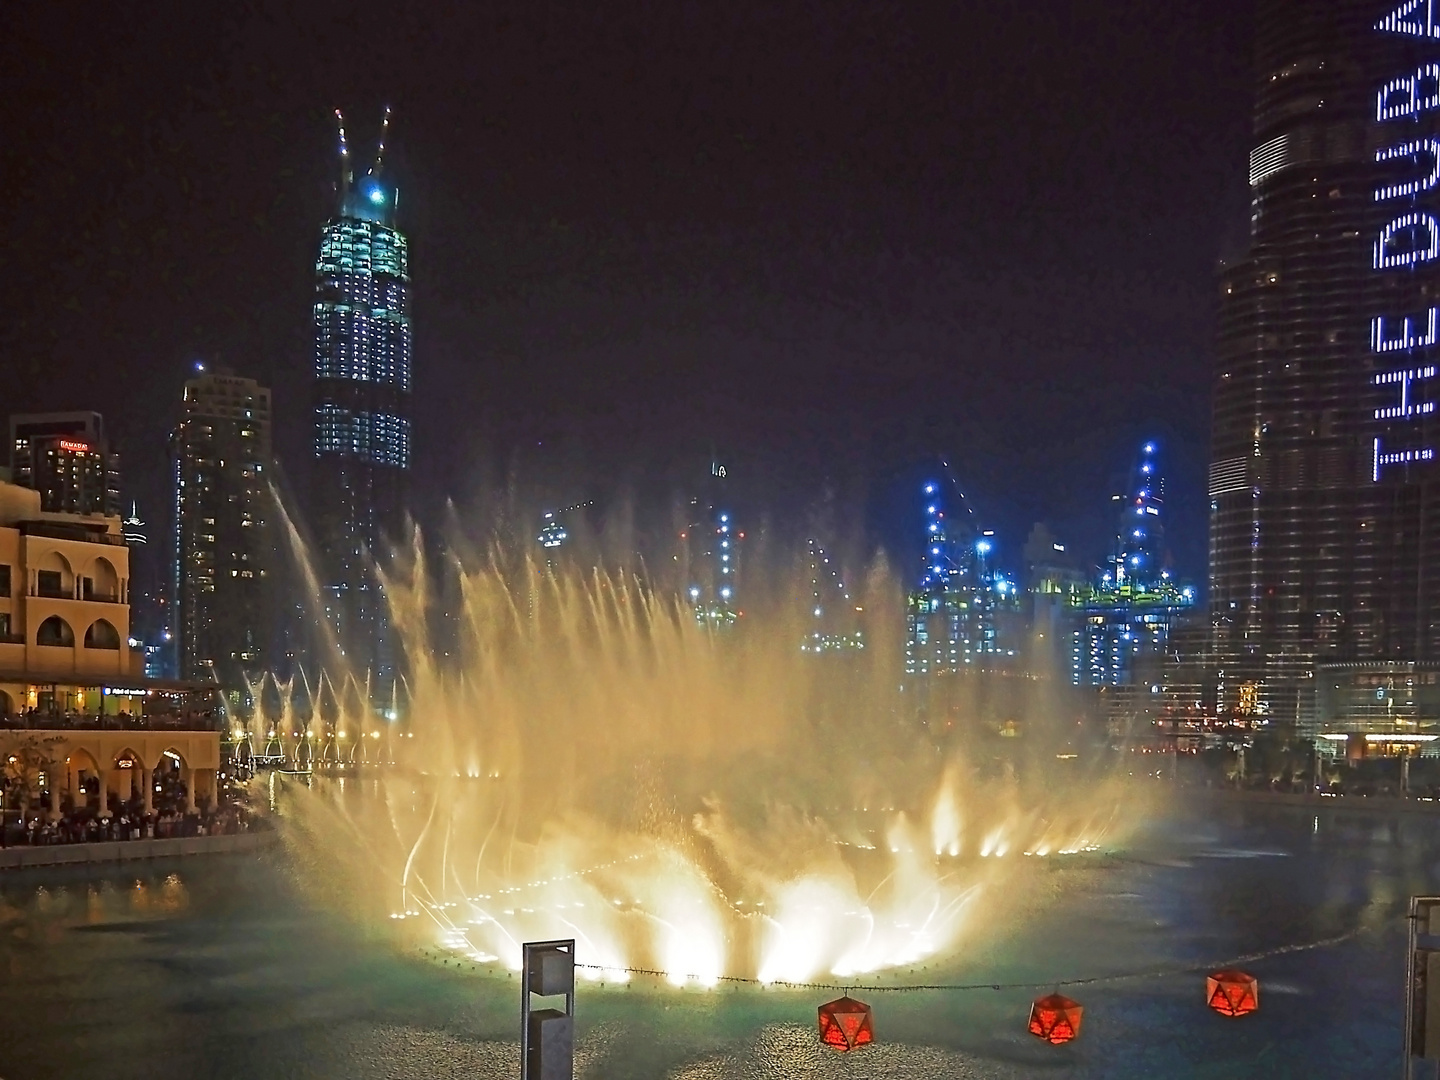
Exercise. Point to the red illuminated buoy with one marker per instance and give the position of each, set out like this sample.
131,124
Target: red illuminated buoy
1232,993
1056,1019
846,1023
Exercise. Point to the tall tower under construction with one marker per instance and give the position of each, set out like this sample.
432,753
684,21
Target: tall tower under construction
362,353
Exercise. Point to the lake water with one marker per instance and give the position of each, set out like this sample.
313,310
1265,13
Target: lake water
217,967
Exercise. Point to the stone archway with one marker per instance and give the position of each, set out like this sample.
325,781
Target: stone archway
56,632
130,778
83,773
102,635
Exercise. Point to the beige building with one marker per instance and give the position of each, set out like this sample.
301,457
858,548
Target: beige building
64,608
76,712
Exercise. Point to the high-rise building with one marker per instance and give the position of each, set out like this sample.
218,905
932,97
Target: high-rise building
955,618
1128,613
224,536
712,541
362,349
1325,528
66,457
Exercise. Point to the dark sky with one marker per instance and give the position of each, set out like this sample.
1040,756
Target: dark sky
831,240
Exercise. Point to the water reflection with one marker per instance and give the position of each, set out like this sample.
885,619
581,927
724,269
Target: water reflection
220,967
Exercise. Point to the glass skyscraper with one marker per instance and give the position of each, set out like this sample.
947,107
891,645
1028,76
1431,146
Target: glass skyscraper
361,408
1324,526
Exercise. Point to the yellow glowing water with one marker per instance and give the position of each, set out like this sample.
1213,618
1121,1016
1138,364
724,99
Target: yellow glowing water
595,764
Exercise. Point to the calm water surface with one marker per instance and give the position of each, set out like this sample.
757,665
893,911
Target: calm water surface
217,967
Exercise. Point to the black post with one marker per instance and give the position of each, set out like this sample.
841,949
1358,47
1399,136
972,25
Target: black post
547,1036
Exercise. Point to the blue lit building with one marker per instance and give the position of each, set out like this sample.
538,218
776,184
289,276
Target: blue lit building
1128,613
362,429
955,617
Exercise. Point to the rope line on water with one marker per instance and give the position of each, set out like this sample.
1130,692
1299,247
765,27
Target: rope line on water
1090,980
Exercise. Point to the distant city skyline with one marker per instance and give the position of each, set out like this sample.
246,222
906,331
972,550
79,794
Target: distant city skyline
838,274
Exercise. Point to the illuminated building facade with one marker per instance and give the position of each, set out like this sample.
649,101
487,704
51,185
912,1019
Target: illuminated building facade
954,619
362,353
224,533
1127,615
1374,707
66,457
1324,531
64,609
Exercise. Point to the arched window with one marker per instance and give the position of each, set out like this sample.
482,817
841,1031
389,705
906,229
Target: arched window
56,631
102,635
102,583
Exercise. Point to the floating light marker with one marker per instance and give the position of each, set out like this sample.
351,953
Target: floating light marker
1232,993
846,1023
1056,1019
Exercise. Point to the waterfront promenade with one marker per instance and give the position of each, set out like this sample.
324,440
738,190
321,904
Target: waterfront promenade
1381,804
16,858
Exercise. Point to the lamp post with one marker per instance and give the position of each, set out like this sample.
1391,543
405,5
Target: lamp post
1422,990
547,1036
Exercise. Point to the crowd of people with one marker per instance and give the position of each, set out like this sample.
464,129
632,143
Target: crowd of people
127,820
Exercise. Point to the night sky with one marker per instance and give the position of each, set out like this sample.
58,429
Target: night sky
830,241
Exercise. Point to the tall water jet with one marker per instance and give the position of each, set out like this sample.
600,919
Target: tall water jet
590,761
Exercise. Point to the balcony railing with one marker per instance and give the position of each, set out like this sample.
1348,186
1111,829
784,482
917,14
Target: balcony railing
39,720
94,596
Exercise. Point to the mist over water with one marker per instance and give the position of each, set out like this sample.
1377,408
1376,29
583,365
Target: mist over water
583,758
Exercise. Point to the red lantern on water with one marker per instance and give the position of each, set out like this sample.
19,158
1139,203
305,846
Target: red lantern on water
1232,993
846,1023
1056,1018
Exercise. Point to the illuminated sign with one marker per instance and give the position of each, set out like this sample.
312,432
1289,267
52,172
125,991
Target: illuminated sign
74,447
1410,95
1409,240
1414,18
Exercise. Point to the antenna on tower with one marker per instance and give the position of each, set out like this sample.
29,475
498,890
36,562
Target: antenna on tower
344,153
380,150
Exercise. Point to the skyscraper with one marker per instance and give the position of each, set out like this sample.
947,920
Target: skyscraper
1324,526
1128,613
66,457
361,406
712,541
953,618
224,537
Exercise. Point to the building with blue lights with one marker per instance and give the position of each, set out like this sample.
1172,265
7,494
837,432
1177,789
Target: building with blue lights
956,618
1127,614
362,426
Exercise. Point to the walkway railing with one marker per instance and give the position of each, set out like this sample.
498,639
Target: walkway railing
66,721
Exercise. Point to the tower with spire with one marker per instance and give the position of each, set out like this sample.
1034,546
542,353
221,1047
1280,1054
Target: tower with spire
361,408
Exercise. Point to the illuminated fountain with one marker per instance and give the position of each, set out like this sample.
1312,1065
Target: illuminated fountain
591,762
